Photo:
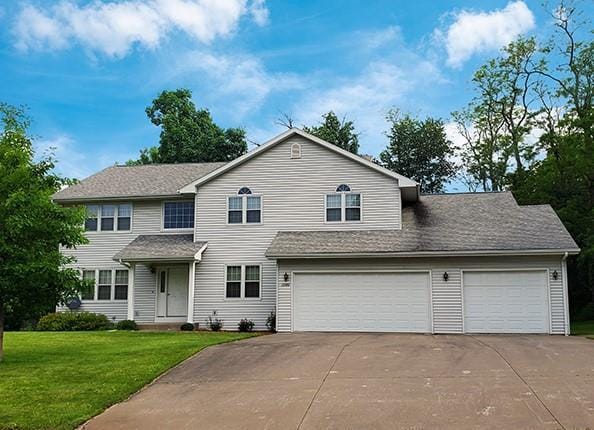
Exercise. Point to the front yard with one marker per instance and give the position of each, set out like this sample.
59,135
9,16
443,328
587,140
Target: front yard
582,328
59,380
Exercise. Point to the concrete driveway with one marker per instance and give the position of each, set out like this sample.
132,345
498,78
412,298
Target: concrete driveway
391,381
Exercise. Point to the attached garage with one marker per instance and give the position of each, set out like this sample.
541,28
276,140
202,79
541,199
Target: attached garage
515,301
363,301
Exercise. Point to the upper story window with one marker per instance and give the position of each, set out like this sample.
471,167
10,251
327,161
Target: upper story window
109,217
343,206
244,208
178,215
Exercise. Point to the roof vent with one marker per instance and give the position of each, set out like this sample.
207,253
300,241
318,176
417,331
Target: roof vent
295,150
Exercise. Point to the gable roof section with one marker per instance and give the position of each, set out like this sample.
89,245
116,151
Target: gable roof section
162,247
403,181
482,223
148,181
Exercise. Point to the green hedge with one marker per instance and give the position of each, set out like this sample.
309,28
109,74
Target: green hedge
73,321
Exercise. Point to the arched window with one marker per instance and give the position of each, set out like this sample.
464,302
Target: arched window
244,190
295,150
343,188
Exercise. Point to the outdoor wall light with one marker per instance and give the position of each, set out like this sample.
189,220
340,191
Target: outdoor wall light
286,277
446,276
555,275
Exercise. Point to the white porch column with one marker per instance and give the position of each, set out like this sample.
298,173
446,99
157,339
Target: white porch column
191,283
131,292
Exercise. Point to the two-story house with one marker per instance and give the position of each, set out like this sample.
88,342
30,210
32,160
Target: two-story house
326,239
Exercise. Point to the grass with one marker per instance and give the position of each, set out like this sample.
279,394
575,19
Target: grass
59,380
582,328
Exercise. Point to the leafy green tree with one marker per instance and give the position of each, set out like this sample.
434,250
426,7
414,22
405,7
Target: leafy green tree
340,133
565,177
189,134
420,150
33,275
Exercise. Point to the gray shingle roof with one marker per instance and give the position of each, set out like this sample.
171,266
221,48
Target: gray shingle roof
441,223
156,247
149,180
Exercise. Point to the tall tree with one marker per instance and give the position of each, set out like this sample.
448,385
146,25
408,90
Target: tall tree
420,150
565,177
189,134
33,275
496,123
339,132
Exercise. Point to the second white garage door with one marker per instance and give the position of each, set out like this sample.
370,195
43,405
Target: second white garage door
506,302
374,302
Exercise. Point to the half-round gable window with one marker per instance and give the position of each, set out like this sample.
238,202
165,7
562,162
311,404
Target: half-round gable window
343,188
295,150
244,190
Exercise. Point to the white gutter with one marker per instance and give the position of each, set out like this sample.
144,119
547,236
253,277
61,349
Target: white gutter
484,253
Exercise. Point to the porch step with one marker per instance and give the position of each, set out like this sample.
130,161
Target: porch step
160,326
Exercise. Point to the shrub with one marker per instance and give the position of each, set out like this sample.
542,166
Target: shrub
126,325
271,321
215,324
73,321
586,313
245,325
187,327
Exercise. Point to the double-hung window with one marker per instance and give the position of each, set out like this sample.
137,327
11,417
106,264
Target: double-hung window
343,206
109,217
105,284
88,293
243,282
178,215
244,208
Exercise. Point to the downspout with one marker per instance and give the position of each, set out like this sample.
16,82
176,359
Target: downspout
565,293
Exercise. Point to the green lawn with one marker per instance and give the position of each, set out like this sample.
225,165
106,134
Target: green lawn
582,328
59,380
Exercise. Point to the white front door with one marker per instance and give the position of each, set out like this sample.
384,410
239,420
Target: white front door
172,293
514,301
374,302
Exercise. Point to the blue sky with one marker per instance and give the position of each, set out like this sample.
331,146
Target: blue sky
87,70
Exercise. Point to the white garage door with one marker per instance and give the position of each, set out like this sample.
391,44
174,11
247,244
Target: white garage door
506,302
396,302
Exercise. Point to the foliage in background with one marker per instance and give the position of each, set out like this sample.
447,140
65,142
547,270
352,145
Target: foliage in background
189,135
339,132
33,276
530,129
420,150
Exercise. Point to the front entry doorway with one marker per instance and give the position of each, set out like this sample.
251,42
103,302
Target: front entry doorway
172,292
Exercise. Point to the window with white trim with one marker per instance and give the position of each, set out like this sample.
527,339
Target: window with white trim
105,284
244,208
88,293
343,206
295,150
243,282
109,217
178,215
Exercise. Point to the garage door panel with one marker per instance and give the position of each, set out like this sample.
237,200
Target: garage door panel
506,302
361,302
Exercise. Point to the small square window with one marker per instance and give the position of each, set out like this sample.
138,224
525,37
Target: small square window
178,215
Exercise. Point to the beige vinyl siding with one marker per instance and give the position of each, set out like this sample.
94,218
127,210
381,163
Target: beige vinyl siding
293,198
99,252
447,297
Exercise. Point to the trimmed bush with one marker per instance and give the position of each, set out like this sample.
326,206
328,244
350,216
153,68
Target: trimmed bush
245,325
126,325
187,327
73,321
586,313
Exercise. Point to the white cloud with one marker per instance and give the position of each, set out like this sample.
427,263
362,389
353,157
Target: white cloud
69,162
241,80
476,32
113,28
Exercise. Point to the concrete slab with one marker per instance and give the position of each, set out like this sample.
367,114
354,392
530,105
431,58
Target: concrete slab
324,380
